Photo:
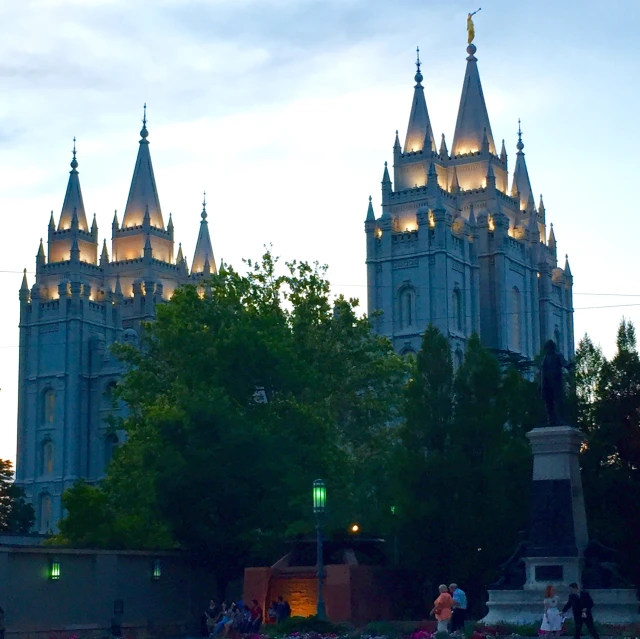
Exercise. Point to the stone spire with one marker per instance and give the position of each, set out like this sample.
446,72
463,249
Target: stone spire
104,257
25,285
541,210
443,152
118,288
473,117
521,183
567,268
552,239
73,199
370,214
143,192
455,185
204,250
503,154
419,133
180,256
40,258
52,224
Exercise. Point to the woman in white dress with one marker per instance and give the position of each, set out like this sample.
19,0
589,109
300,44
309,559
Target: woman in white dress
552,618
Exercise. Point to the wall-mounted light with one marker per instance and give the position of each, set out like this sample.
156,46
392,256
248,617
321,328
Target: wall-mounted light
54,569
156,569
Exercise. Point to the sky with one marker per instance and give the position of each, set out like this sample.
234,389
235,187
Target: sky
284,111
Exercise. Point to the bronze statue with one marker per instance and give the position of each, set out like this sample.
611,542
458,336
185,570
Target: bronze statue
551,385
471,32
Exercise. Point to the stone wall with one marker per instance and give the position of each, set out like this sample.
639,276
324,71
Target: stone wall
146,594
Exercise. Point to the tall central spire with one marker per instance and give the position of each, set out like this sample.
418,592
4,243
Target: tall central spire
419,133
473,118
73,199
143,192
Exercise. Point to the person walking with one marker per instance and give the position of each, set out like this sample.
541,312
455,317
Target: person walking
459,612
581,605
442,607
211,615
552,618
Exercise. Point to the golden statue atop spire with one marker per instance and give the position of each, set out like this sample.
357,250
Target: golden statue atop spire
471,32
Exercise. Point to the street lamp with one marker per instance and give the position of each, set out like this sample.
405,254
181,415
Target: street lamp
319,505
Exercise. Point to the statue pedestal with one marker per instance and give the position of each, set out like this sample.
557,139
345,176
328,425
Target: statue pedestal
557,537
558,526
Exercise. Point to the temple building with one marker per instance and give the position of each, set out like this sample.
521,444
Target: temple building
459,244
82,301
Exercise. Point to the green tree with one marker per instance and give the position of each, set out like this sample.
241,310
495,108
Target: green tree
463,464
610,395
244,392
16,515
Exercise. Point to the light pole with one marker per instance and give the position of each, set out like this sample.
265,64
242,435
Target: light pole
319,504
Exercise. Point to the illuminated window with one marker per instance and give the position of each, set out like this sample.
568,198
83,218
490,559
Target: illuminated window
407,308
516,313
45,513
49,401
457,314
47,457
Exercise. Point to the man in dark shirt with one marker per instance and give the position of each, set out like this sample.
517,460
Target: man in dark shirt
581,605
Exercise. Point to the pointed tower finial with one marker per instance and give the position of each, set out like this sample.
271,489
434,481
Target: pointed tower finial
180,256
118,289
75,251
472,215
370,214
203,215
144,133
25,284
455,184
567,268
104,257
40,259
503,153
74,162
520,144
552,239
443,152
418,77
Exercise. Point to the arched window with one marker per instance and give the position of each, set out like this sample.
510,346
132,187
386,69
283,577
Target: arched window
111,442
456,310
49,406
47,457
45,513
407,308
516,313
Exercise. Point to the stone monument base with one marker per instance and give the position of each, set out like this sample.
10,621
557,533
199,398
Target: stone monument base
614,606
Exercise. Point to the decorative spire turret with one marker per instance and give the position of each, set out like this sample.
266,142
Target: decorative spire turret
52,224
148,250
396,144
521,183
455,185
170,224
75,251
567,268
204,251
73,199
503,155
432,179
75,222
146,220
370,214
180,256
25,285
485,141
94,227
472,215
143,193
118,288
541,210
443,152
419,133
40,258
552,239
491,176
115,225
104,257
473,117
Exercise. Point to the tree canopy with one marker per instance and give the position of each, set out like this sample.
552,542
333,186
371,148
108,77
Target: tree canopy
16,515
243,392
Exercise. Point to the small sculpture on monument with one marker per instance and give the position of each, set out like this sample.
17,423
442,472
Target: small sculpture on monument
551,385
471,32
